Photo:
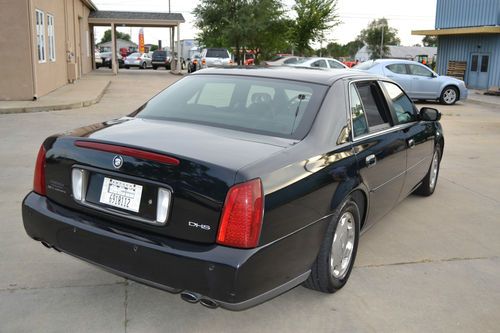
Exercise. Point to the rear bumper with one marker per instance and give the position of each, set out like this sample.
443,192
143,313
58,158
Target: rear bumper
235,278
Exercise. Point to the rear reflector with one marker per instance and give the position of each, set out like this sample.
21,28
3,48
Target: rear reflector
241,218
137,153
39,178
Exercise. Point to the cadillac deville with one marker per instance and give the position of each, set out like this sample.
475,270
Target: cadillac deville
233,186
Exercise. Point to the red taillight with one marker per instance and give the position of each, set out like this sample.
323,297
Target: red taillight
146,155
139,58
241,218
39,179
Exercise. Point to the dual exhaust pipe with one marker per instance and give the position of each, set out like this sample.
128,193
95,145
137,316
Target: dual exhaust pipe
188,296
192,297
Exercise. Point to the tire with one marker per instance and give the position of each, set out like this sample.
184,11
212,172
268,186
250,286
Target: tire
143,66
127,67
324,276
155,67
429,182
449,96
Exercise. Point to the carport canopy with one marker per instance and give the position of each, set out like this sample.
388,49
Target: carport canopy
137,19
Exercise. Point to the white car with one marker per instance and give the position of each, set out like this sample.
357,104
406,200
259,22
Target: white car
419,81
137,59
216,57
316,62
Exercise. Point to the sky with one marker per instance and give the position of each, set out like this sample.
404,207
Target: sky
355,15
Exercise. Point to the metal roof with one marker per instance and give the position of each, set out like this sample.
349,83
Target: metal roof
135,18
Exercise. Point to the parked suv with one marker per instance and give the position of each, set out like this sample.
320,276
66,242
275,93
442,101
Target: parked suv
215,57
160,59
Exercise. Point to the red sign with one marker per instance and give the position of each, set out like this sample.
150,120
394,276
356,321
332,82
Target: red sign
141,40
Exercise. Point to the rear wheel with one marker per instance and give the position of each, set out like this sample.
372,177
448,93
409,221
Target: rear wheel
335,260
449,96
143,65
155,67
127,67
429,182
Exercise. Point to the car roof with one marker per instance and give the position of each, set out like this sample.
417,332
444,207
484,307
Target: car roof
393,61
313,75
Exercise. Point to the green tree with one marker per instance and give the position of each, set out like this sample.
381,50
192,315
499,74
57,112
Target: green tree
119,35
378,32
241,25
153,48
430,41
314,17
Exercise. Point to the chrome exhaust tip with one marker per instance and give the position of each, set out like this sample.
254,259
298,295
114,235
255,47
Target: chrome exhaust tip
209,303
190,297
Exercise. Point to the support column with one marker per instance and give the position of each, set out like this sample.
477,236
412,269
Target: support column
92,46
114,60
178,67
172,69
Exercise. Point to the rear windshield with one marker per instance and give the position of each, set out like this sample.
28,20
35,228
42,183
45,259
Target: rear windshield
160,53
135,55
365,65
214,53
273,107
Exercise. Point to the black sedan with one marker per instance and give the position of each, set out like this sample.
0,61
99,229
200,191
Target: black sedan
233,186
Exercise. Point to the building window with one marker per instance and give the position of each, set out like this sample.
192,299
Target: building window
51,37
40,35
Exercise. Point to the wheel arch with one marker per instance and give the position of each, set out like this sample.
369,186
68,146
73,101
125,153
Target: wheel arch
450,85
359,194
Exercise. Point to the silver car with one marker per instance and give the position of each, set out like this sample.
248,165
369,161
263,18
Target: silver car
215,57
141,60
317,62
419,81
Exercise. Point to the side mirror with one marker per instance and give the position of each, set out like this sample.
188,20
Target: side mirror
429,114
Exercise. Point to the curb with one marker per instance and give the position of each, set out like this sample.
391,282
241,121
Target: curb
57,107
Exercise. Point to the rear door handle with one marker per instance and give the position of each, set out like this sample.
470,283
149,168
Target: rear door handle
371,160
411,143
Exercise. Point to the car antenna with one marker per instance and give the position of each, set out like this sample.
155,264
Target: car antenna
301,97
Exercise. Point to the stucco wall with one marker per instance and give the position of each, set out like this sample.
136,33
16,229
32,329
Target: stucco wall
16,71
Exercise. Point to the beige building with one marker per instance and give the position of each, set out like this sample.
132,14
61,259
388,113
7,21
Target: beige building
45,44
48,43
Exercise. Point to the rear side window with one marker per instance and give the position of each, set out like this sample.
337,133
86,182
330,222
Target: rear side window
216,53
402,106
359,124
373,104
397,68
420,70
290,61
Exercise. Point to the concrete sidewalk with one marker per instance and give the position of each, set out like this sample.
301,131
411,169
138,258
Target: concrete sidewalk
84,92
478,97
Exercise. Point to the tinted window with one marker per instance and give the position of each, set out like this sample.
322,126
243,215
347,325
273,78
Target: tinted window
397,68
266,106
159,54
371,97
359,125
334,64
217,53
484,63
290,61
402,106
319,63
420,70
473,64
135,55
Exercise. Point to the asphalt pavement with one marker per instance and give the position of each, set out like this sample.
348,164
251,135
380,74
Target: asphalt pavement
431,265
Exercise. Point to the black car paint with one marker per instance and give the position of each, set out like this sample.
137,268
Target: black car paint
304,182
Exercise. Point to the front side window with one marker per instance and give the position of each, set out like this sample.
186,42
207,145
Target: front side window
397,68
372,99
51,37
40,35
290,61
402,106
420,71
334,64
258,105
319,63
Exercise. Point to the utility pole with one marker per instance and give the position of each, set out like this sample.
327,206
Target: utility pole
382,43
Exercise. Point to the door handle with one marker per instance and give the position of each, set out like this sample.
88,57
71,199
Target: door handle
411,143
371,160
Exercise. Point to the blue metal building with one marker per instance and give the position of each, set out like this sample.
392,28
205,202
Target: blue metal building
469,31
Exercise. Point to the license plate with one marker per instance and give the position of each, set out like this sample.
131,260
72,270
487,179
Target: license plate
121,194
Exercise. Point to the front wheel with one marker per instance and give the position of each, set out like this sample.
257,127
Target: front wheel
449,96
429,182
143,65
335,260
